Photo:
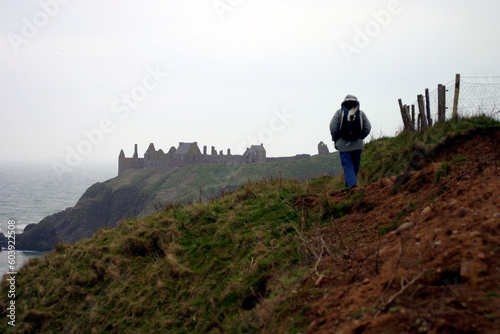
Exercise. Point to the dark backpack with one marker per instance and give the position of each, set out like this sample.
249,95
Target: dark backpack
350,129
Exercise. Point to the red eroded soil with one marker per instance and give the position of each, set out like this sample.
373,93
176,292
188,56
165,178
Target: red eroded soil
436,270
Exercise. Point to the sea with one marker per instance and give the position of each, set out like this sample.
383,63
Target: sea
31,191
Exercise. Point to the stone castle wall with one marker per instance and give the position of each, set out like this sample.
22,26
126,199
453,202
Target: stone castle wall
187,154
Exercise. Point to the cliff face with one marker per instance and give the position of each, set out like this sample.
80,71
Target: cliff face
136,193
101,205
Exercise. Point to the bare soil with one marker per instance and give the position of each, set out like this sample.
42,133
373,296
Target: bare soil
420,252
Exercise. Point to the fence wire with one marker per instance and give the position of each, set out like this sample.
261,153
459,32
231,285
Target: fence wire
477,96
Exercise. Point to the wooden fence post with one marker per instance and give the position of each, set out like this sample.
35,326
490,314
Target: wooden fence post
420,99
455,99
405,116
407,109
441,103
413,116
428,108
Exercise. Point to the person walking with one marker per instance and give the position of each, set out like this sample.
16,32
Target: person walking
348,127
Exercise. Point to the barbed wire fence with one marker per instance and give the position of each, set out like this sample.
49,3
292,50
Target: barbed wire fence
477,95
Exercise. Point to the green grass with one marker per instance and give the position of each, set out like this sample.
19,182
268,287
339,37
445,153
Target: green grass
444,169
390,156
226,265
491,294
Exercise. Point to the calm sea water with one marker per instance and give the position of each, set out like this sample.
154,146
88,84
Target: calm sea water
30,192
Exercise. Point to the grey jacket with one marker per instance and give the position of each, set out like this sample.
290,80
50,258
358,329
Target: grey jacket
343,145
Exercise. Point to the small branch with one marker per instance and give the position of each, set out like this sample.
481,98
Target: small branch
401,253
315,269
403,288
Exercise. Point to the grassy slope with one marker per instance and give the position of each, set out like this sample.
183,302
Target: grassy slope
196,268
184,270
184,184
390,156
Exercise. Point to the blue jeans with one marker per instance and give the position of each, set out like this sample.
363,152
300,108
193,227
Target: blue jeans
350,163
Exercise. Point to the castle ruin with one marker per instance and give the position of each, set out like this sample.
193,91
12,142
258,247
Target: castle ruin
187,154
323,149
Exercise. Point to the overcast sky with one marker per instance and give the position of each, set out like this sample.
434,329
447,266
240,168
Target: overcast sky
82,79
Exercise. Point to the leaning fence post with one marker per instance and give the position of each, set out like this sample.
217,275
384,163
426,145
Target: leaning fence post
420,100
441,103
455,99
404,116
428,107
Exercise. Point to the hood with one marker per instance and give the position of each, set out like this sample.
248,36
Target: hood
350,102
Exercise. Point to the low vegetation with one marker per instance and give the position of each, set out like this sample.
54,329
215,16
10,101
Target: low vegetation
232,264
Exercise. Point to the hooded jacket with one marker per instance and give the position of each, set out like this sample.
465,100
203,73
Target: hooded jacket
349,106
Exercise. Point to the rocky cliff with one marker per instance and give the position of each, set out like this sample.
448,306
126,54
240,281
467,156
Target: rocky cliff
101,205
